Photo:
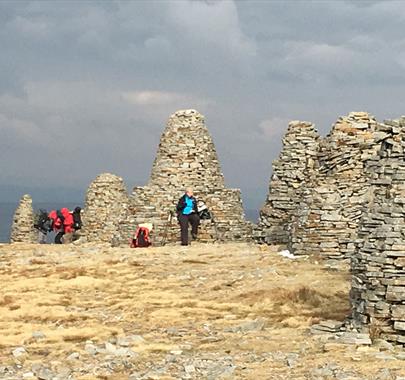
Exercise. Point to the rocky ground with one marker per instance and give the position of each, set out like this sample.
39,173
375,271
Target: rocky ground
233,311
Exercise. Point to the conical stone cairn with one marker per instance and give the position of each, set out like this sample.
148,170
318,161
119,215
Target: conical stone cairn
186,157
105,206
22,229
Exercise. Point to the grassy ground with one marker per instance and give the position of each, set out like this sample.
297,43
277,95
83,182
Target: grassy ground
191,300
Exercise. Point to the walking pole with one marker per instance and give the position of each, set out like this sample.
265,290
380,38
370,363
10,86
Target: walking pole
169,221
215,225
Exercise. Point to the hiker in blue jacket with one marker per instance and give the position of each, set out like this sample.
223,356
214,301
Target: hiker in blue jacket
187,212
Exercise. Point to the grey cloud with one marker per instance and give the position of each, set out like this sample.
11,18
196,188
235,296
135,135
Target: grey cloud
90,84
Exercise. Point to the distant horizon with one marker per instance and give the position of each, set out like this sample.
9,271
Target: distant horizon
13,193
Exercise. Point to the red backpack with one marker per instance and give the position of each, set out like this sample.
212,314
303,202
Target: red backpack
141,238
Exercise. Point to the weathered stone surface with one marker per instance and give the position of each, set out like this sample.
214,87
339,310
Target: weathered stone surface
295,163
378,287
319,186
106,204
326,219
22,230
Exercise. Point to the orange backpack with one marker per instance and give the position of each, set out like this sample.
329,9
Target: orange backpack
141,238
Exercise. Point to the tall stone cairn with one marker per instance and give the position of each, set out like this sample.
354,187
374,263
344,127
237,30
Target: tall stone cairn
22,229
295,163
105,207
327,216
378,264
186,157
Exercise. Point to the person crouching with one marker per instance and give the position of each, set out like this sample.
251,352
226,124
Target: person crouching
187,212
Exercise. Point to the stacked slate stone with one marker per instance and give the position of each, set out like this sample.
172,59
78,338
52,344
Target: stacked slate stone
186,157
295,163
105,207
22,229
378,265
327,217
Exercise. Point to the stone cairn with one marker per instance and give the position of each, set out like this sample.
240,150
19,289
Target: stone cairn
378,265
327,217
186,157
22,229
295,163
105,207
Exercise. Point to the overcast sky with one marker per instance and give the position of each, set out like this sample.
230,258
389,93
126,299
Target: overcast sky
87,87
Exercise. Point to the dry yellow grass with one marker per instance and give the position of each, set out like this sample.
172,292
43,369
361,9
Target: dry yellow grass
76,294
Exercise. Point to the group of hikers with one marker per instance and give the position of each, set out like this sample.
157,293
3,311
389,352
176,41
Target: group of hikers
66,224
63,222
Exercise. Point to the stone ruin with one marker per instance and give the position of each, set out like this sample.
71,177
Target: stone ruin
378,264
295,163
328,213
22,229
348,202
318,187
186,157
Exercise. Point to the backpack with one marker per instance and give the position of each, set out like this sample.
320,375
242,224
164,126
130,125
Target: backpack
77,219
141,238
42,222
203,211
60,216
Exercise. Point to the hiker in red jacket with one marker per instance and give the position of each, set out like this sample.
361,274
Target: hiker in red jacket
62,224
57,225
67,226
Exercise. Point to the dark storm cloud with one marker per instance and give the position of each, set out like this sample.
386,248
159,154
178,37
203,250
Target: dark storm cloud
87,87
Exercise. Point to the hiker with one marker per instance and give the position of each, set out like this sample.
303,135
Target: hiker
62,224
57,225
68,222
42,224
187,212
77,222
77,218
141,238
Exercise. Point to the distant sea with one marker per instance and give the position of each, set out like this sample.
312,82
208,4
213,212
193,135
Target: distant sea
7,211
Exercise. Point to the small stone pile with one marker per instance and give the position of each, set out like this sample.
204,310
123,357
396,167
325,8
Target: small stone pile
295,163
186,157
105,207
22,229
378,265
327,215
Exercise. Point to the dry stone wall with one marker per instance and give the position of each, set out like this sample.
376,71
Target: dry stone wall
296,162
22,229
378,264
328,214
319,186
186,157
105,207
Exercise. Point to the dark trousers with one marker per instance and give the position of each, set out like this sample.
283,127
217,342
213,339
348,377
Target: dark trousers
58,237
184,220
